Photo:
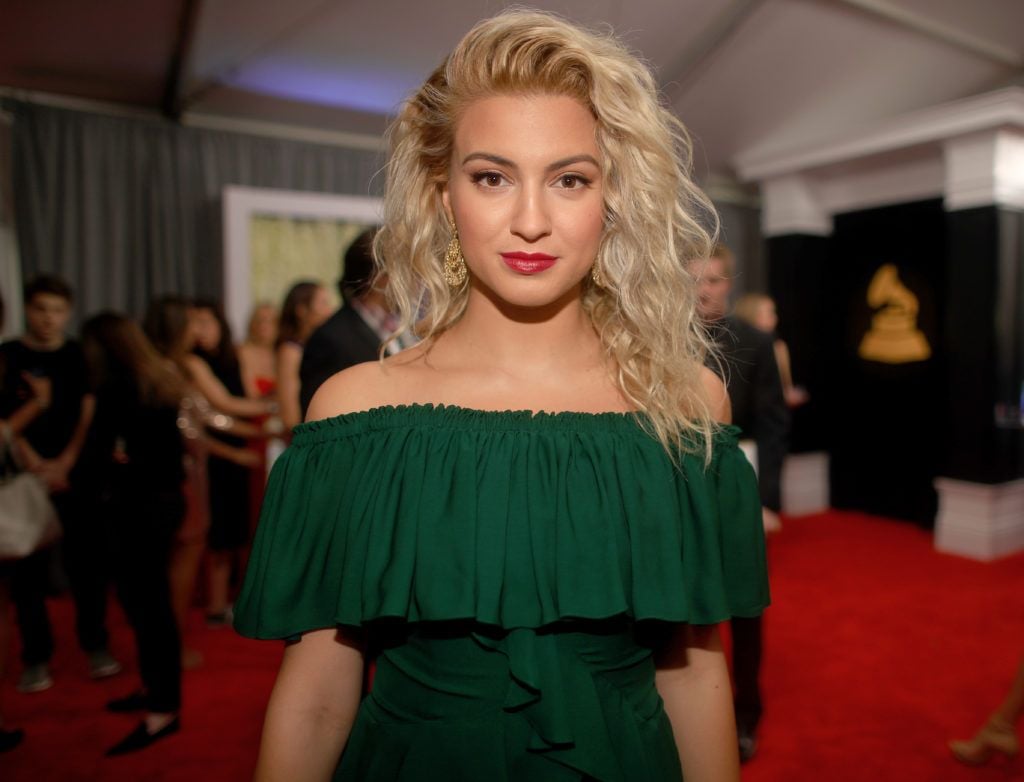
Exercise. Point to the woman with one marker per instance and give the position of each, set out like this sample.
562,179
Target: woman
256,354
305,308
229,481
998,736
170,327
759,311
136,459
532,517
258,364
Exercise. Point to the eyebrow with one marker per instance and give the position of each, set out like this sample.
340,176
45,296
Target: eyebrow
503,161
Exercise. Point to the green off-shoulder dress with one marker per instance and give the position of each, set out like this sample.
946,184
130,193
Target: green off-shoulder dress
514,572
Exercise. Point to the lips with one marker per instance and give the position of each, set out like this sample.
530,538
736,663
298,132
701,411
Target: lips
528,263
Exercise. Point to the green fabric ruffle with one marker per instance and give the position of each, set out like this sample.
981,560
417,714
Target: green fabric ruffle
512,519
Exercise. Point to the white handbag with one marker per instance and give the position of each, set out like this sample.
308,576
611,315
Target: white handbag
28,520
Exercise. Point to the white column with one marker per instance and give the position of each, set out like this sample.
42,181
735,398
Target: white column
985,169
791,204
978,520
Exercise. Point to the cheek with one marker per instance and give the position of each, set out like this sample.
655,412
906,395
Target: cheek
593,225
477,219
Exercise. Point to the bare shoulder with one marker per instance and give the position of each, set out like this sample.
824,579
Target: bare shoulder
717,396
357,388
365,386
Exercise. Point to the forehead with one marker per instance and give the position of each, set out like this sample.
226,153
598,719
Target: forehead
526,128
711,270
48,301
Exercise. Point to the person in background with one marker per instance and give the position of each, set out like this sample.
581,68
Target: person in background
257,362
758,309
357,330
256,354
40,395
136,456
169,325
998,736
229,481
50,446
751,375
306,306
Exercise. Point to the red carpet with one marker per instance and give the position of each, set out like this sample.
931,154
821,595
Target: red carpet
877,651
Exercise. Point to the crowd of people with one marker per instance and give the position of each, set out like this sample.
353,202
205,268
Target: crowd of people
164,420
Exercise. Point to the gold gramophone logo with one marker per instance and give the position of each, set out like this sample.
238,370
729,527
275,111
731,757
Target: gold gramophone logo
894,337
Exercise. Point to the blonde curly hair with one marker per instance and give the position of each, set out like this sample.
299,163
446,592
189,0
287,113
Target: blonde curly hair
645,309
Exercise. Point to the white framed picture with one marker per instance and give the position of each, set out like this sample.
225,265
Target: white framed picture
275,238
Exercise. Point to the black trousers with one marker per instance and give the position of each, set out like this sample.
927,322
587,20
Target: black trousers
86,562
746,671
142,530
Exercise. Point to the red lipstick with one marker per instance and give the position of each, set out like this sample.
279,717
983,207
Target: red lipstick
528,263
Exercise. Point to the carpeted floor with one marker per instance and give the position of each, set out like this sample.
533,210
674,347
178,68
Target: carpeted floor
878,650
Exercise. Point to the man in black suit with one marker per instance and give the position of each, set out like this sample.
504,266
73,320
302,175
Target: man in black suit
759,409
355,332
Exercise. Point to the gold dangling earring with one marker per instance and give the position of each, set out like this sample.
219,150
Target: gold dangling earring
454,264
596,276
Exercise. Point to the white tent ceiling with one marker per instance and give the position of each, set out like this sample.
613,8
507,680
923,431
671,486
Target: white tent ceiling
749,77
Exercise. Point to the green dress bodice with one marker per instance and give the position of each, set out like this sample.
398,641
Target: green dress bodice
514,571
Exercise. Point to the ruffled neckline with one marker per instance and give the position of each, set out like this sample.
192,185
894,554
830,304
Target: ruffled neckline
447,416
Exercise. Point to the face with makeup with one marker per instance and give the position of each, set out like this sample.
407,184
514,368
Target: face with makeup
525,191
206,328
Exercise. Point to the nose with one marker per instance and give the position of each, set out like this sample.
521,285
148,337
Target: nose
531,219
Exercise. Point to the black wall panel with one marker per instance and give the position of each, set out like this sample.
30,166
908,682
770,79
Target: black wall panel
985,345
884,411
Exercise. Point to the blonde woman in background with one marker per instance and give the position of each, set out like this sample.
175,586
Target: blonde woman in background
759,310
256,354
257,362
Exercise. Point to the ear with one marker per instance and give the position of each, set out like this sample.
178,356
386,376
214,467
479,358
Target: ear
446,202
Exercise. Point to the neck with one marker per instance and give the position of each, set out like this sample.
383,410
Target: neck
38,344
495,334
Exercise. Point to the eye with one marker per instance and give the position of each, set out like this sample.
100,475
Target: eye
572,181
488,179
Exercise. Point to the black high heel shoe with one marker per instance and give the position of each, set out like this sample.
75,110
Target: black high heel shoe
9,739
140,738
135,701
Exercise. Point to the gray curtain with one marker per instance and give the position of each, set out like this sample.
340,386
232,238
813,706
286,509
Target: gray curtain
126,209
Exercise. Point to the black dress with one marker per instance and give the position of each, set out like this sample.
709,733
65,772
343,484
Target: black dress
229,482
135,455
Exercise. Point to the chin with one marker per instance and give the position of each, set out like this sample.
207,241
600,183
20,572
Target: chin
531,293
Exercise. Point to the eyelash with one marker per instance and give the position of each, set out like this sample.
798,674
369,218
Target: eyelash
579,180
480,176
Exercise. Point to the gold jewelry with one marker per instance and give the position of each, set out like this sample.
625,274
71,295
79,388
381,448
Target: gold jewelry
596,276
454,264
